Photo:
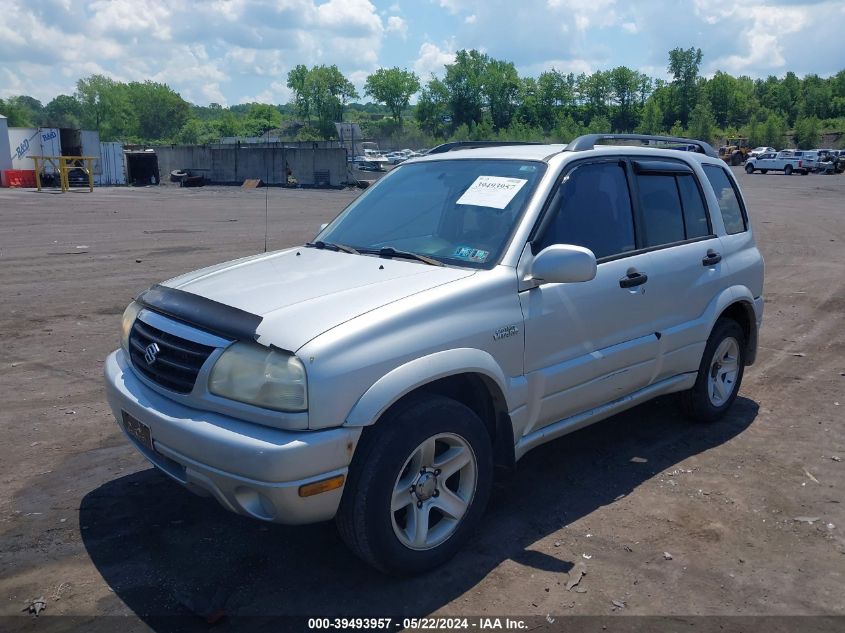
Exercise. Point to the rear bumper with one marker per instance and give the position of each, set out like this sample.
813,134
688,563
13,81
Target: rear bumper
250,469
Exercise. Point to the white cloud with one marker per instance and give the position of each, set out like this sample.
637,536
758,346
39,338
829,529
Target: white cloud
432,58
205,51
593,13
762,28
222,50
395,24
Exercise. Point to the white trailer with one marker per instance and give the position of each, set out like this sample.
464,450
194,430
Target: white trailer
25,142
112,165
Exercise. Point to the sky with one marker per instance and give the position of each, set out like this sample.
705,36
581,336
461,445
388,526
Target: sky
239,51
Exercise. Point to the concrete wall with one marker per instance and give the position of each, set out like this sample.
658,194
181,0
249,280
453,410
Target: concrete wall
227,164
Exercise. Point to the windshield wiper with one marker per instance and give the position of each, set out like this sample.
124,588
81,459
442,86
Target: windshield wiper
320,245
389,251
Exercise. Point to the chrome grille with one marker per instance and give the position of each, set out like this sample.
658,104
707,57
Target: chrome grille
177,360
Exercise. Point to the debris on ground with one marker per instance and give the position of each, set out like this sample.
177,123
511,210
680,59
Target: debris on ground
799,354
810,475
809,520
628,548
835,458
557,543
667,556
638,460
575,575
61,590
587,556
36,606
619,604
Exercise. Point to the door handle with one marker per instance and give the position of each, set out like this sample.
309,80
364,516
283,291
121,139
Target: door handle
632,279
711,258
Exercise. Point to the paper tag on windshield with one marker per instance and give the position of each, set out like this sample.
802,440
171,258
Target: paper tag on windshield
492,191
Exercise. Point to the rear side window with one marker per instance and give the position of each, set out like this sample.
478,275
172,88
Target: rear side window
662,216
592,208
695,214
729,204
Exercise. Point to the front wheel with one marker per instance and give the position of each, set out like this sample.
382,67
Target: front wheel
719,375
418,485
749,169
788,170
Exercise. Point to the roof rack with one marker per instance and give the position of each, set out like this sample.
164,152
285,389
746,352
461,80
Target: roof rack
456,145
589,141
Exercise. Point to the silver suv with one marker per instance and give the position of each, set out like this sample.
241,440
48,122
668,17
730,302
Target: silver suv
472,305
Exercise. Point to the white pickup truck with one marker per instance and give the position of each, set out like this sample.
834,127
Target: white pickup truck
780,161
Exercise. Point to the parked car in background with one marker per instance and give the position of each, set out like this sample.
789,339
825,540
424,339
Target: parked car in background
394,158
467,308
808,158
771,161
761,150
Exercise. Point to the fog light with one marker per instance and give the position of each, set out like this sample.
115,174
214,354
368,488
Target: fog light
324,485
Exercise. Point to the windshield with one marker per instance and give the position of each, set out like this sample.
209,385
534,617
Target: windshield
460,212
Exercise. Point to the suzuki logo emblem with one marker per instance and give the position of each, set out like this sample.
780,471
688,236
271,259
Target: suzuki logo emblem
150,353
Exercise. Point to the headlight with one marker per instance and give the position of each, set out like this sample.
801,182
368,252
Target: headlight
260,376
129,316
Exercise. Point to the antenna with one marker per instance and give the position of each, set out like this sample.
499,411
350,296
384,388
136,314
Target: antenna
266,196
266,214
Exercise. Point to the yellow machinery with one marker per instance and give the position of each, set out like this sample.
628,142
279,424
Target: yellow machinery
64,165
735,152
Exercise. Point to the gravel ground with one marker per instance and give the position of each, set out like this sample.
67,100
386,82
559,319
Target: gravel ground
705,522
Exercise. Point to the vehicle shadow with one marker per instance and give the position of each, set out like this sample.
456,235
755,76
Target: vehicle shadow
166,553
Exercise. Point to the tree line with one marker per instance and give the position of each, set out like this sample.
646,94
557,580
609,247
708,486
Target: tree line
478,97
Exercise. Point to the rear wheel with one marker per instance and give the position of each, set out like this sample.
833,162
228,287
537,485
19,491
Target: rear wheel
418,485
788,170
719,375
749,169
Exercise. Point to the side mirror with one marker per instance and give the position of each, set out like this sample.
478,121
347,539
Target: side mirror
564,263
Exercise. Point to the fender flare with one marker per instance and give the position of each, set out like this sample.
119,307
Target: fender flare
739,295
418,372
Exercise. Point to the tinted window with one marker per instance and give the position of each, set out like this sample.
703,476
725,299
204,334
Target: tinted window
695,214
592,208
662,216
727,197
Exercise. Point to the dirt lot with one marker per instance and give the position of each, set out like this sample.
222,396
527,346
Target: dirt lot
88,525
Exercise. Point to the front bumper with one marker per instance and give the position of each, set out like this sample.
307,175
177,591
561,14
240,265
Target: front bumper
250,469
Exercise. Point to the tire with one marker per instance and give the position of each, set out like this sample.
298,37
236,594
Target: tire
749,169
804,172
764,171
706,401
396,455
788,170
